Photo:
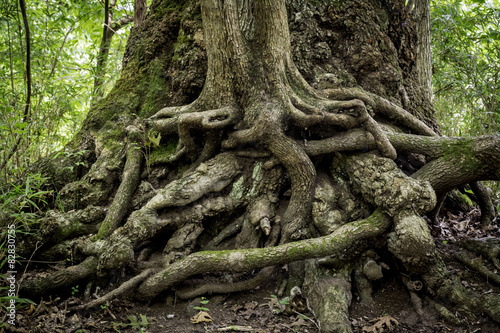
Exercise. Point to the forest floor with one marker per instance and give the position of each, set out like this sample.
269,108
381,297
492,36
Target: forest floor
256,310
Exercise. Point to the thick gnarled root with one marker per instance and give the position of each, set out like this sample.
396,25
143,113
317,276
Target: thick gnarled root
403,198
444,286
329,296
347,236
382,106
60,279
486,248
181,120
347,114
117,250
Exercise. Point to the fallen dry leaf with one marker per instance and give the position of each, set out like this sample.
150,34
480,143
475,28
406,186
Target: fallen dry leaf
201,317
299,322
381,323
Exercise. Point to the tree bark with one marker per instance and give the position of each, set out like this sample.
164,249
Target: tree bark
422,14
251,154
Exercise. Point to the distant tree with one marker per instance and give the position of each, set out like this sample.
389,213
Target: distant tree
64,46
466,51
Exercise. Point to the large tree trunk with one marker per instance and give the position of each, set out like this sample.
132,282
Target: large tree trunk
283,121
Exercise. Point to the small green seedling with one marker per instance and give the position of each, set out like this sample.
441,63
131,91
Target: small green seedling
283,302
74,290
134,323
203,301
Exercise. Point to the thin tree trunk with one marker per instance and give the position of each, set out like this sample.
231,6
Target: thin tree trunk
26,114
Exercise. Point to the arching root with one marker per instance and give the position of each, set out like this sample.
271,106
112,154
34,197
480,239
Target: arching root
478,265
182,120
303,175
244,260
121,290
445,170
347,114
250,284
130,180
483,198
61,278
382,106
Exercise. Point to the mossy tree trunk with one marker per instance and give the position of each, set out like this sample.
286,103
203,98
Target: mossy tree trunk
249,134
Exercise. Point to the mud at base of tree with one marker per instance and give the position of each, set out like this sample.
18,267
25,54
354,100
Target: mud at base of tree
257,310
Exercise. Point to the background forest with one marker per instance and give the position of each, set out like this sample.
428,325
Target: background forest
73,61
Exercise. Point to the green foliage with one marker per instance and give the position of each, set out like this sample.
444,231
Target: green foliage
466,68
466,198
134,323
280,303
65,38
21,302
20,207
154,139
203,301
466,65
21,203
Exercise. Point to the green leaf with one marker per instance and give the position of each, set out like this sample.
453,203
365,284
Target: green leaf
144,321
154,138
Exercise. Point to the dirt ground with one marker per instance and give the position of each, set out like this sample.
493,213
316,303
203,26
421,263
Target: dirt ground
258,311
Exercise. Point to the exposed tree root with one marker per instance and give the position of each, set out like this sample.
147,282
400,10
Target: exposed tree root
262,101
483,198
122,198
444,312
487,248
303,176
250,284
244,260
121,290
451,291
61,278
95,187
401,197
329,296
384,107
453,161
69,225
478,265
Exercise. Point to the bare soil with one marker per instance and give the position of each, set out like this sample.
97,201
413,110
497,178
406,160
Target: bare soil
257,310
